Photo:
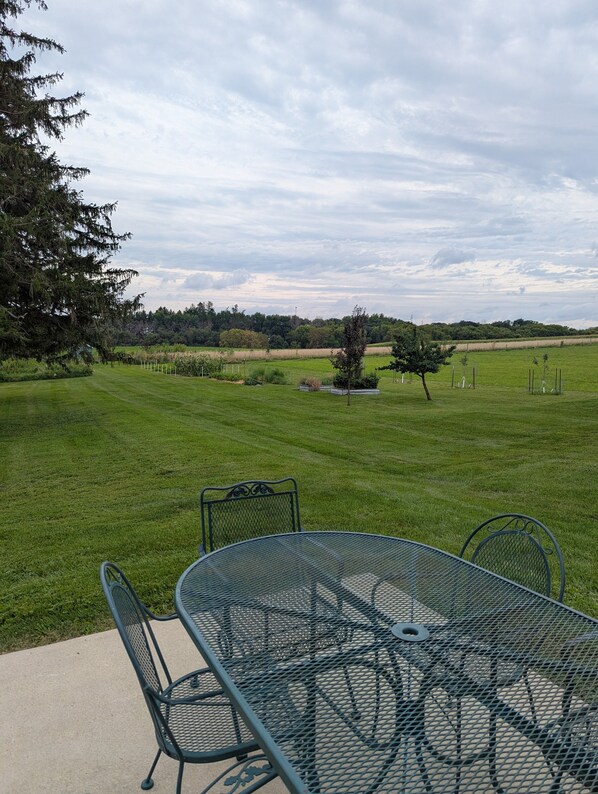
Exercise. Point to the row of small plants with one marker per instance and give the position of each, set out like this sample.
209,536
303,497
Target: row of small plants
200,366
205,366
13,370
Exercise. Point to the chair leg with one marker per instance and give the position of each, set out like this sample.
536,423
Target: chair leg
179,780
148,783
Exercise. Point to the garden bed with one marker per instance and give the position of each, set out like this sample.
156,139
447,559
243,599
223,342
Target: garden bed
355,391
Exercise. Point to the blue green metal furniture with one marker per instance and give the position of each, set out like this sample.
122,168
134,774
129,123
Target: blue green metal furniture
521,549
428,642
247,509
194,722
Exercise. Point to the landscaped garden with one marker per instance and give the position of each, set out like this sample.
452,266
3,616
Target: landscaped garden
110,466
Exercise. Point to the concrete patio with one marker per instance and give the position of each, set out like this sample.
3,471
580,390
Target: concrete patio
74,720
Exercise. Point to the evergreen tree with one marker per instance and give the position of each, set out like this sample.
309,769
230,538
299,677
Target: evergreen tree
57,291
413,351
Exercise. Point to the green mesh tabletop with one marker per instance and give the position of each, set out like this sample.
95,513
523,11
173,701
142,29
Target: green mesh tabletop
364,663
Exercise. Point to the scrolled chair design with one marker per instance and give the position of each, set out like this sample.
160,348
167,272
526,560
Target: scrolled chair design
249,509
521,549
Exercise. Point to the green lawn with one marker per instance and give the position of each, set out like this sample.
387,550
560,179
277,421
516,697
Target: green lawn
109,467
578,365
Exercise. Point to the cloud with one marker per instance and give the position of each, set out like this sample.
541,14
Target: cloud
334,149
204,280
451,256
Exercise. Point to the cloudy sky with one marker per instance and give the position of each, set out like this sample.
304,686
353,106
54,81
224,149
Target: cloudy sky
434,160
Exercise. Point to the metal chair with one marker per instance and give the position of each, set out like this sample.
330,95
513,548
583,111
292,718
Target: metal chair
247,510
193,720
521,549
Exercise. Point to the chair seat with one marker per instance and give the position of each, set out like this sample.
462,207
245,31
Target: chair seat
209,729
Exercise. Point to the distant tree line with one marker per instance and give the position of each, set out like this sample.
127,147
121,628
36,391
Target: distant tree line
202,325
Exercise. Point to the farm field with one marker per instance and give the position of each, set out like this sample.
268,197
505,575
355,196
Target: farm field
493,368
110,466
372,350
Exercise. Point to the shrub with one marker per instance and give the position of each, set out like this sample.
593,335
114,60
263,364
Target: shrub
364,382
13,370
276,376
313,384
263,375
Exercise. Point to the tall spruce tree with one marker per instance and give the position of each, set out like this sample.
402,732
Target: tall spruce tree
58,293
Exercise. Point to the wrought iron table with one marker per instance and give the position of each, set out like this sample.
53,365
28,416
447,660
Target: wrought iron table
366,663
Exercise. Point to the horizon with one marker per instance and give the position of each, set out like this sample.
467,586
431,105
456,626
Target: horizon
248,313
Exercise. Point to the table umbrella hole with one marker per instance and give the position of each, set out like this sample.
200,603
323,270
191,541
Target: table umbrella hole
410,632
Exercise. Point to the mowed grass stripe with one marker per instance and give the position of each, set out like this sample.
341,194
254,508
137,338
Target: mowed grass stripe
110,467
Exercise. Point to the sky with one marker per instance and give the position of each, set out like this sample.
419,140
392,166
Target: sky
434,161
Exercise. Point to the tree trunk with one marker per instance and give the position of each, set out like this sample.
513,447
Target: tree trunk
349,391
423,377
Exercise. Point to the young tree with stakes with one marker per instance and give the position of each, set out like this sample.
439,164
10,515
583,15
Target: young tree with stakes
348,360
413,351
57,292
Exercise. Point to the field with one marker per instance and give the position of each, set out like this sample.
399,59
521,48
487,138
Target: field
110,466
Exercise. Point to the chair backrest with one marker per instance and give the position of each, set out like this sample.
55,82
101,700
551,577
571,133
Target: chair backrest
247,510
131,619
521,549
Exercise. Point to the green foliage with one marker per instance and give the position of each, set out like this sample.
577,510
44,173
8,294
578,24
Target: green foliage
369,381
241,338
277,342
198,365
267,375
413,351
231,377
201,325
57,290
13,370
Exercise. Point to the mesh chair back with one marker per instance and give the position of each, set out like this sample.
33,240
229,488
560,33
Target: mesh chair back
131,619
248,510
521,549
